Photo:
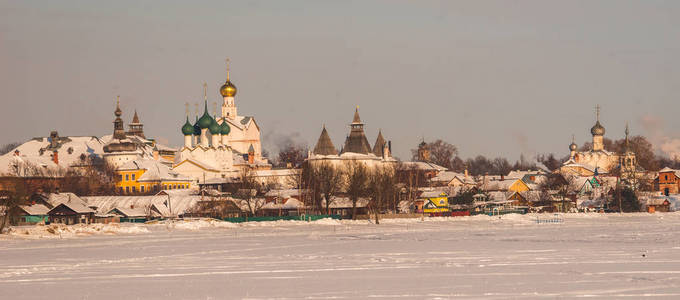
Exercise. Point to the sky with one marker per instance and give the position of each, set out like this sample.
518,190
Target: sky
497,78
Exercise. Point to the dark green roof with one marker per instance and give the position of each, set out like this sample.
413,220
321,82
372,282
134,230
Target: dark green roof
224,128
214,127
187,129
206,120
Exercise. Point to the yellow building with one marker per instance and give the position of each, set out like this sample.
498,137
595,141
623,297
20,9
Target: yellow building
435,202
512,185
145,176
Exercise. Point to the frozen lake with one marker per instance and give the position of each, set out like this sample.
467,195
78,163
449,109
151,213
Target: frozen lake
632,256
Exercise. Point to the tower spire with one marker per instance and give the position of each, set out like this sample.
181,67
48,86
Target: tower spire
205,91
228,61
597,112
186,109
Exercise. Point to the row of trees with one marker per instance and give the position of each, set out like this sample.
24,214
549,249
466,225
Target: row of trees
326,181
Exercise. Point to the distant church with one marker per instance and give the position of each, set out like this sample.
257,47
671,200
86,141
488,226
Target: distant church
598,161
219,147
356,148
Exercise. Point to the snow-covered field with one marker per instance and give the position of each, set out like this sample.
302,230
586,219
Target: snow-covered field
601,256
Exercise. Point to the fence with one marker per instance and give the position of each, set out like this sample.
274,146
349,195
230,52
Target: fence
307,218
555,219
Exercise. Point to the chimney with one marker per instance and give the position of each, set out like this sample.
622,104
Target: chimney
155,154
502,177
251,158
55,157
466,172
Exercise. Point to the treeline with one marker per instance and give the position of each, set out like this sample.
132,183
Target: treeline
446,155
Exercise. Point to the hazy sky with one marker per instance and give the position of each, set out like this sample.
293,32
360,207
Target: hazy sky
492,77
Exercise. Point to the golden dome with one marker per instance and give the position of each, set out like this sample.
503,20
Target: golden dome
228,89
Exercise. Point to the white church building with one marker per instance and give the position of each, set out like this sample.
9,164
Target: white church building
219,147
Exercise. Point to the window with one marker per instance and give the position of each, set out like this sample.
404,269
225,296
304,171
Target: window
133,177
127,189
133,189
121,190
127,177
121,177
141,189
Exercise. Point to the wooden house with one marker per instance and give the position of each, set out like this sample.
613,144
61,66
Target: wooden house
71,212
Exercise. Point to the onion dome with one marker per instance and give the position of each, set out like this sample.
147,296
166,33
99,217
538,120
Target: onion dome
187,129
197,129
206,120
224,128
214,127
573,146
597,129
228,89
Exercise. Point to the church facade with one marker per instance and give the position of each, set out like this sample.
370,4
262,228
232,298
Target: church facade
219,147
598,160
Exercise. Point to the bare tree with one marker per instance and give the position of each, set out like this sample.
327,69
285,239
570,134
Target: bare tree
247,191
329,181
382,188
10,200
441,153
357,183
6,148
292,154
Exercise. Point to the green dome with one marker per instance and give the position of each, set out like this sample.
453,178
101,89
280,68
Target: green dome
187,129
214,127
197,129
224,128
206,120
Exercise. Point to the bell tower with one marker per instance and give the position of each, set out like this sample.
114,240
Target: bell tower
228,92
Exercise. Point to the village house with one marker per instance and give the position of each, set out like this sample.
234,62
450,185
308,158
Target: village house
668,181
71,212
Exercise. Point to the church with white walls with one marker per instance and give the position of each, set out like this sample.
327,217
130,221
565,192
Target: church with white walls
219,147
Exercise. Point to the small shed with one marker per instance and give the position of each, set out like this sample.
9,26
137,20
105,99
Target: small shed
658,205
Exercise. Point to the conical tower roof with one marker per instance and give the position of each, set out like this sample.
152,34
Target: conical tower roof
324,146
357,119
135,118
356,142
379,145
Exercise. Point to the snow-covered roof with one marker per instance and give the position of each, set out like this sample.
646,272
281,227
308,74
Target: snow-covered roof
283,193
289,203
35,209
424,166
344,202
179,204
55,199
76,207
657,201
669,170
128,212
433,194
69,151
500,185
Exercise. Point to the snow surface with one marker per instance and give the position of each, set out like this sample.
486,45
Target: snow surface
587,255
